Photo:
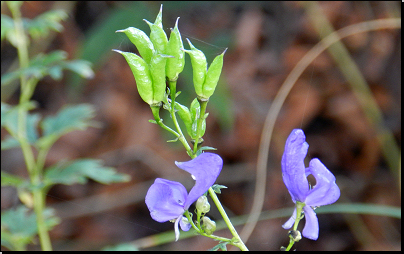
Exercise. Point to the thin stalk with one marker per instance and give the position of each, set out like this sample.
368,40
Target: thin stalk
299,208
181,137
27,86
238,242
202,104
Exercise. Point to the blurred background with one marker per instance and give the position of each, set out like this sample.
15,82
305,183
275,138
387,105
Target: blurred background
265,41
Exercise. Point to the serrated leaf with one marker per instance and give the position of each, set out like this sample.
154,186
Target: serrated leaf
9,118
50,64
79,170
70,118
81,67
18,226
42,24
216,188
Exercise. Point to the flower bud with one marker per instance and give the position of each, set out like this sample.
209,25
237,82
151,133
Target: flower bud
209,226
202,204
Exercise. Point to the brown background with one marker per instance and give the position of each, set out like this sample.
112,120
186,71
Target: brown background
265,41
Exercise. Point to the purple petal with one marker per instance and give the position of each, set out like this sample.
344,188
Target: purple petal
165,200
184,224
291,221
310,229
325,191
293,169
205,169
176,230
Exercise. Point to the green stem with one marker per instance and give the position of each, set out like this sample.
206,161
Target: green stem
299,208
202,104
27,87
181,137
238,242
197,229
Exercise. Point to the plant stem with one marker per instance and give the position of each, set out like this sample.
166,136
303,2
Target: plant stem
238,243
27,88
173,91
202,104
299,208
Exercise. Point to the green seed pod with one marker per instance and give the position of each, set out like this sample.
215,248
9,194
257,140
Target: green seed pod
141,41
199,66
157,35
158,74
202,204
212,77
141,72
195,110
174,48
209,226
185,116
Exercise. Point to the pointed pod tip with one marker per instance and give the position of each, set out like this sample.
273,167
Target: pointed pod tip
190,44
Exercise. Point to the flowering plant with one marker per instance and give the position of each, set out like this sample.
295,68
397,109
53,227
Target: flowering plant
161,60
168,200
306,198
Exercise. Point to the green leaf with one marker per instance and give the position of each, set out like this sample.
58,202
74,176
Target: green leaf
42,24
49,64
221,246
18,226
70,118
81,67
11,180
9,119
216,188
79,170
7,25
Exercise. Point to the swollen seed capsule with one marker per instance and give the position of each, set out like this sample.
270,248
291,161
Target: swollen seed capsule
141,72
157,35
174,48
199,66
185,116
195,110
212,77
141,41
158,74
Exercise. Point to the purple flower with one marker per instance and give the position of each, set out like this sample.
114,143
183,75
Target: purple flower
168,200
295,174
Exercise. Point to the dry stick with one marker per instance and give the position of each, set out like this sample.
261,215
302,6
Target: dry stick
280,98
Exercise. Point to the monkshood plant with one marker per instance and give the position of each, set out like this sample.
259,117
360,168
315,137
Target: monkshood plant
19,226
161,60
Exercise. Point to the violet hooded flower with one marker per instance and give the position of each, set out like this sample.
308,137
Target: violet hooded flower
295,174
168,200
